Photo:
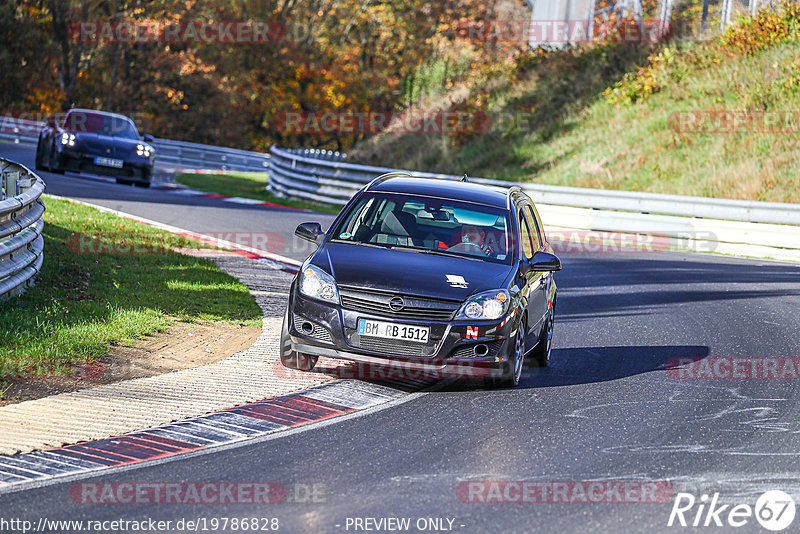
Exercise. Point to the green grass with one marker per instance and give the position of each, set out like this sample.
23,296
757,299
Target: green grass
571,134
245,185
85,301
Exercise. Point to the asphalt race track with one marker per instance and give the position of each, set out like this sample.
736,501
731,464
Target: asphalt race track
612,407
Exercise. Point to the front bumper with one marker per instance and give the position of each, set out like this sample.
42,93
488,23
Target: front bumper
78,161
457,346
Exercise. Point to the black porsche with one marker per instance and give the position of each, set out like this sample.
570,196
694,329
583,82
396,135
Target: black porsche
438,274
96,142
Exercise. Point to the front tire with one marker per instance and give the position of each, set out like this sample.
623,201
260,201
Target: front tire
541,353
292,359
53,165
511,371
39,156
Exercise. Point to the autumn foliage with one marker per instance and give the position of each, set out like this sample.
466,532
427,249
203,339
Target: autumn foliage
343,55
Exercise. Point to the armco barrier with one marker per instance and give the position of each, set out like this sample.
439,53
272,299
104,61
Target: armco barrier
759,229
21,242
169,153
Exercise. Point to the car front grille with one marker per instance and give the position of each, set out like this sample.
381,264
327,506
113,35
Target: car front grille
469,350
394,347
317,331
377,302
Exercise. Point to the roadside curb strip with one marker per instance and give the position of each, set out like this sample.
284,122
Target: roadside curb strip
189,192
204,432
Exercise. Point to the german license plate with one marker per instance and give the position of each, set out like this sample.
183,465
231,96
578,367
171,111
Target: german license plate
368,327
108,162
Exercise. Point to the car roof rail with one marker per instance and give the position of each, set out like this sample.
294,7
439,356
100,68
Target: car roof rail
511,191
387,176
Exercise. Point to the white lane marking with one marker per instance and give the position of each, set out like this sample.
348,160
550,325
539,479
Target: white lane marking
240,200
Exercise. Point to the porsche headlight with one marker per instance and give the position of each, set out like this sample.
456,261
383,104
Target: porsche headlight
68,139
486,305
144,150
317,284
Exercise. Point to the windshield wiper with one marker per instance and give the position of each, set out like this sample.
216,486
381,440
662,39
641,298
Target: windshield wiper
361,243
430,251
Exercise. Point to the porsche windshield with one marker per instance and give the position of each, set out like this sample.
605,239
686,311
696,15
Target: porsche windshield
101,124
426,224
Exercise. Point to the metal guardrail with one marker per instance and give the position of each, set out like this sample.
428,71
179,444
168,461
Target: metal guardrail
722,222
197,156
335,182
21,224
22,131
178,154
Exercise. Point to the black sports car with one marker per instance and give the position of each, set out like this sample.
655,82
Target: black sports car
437,274
96,142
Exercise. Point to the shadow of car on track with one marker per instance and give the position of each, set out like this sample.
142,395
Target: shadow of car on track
586,365
568,367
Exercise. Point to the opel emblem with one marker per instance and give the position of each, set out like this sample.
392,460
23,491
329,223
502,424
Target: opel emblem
397,304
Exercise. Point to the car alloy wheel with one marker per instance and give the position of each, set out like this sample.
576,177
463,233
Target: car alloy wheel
512,369
519,356
544,346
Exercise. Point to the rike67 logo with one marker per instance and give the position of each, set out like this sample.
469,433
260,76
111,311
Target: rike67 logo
774,510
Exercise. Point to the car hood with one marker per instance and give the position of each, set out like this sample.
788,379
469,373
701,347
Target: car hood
408,272
119,146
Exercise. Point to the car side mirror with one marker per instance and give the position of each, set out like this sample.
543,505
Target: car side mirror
544,262
310,231
147,138
51,122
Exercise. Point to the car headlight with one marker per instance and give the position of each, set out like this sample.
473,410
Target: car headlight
486,305
144,150
317,284
67,139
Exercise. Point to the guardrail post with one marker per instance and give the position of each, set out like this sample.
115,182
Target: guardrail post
24,183
10,184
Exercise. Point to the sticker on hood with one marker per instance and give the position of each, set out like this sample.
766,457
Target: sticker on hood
456,280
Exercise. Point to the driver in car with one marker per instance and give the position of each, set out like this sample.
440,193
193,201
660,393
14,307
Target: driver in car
476,236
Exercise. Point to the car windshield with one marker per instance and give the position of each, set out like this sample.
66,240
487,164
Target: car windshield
433,225
100,123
